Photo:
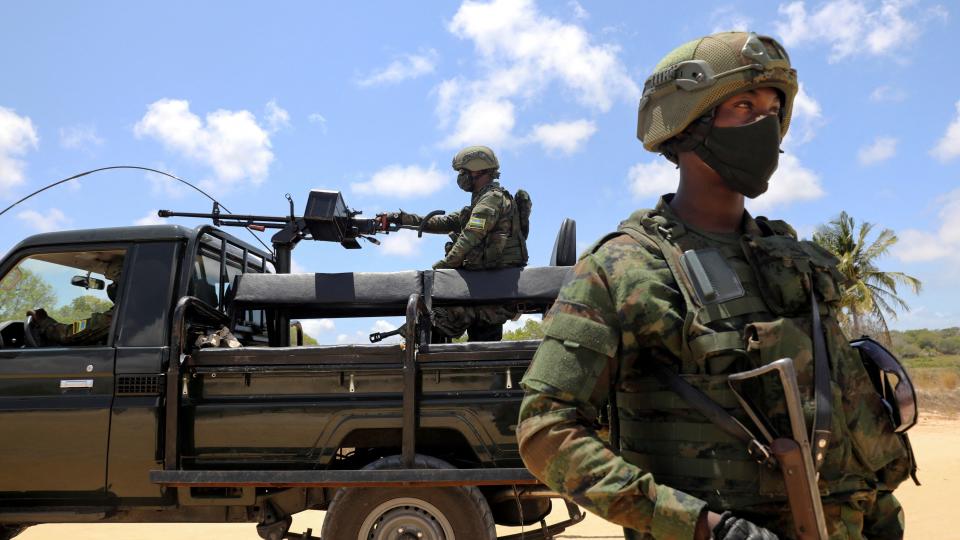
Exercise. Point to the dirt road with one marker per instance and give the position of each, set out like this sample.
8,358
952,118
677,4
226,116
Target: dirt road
929,507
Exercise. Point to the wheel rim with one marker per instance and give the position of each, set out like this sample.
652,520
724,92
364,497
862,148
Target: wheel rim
406,518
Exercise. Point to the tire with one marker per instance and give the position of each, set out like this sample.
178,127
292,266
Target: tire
450,513
10,531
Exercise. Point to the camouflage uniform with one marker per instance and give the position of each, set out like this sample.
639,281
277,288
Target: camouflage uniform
624,311
94,333
484,236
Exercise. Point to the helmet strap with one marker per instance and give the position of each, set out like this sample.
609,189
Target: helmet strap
690,138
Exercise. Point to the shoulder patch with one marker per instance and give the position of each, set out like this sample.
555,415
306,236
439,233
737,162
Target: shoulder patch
476,222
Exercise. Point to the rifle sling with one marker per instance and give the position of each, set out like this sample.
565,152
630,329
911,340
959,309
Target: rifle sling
713,412
820,436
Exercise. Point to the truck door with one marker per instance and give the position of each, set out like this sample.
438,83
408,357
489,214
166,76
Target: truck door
57,371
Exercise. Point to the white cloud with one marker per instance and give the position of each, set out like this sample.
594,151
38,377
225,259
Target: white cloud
488,122
850,27
727,19
522,54
403,243
806,119
410,66
80,137
403,182
151,218
565,137
319,119
277,118
164,186
653,178
17,137
232,143
916,245
948,147
578,10
343,338
792,182
882,149
315,327
887,94
51,220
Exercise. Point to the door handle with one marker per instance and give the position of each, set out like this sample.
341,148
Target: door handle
76,383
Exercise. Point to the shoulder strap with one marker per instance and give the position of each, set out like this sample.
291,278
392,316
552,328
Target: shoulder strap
659,241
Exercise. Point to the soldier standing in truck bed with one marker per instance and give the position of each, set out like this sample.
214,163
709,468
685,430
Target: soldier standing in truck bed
488,234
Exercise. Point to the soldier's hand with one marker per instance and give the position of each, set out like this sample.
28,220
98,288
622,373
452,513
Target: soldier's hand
38,314
734,528
387,218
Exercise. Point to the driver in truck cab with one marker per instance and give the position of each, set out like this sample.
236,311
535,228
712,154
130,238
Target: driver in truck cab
93,332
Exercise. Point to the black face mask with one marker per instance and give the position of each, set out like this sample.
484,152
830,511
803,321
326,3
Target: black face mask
465,181
745,157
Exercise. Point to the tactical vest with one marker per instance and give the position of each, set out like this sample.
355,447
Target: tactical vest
505,244
761,315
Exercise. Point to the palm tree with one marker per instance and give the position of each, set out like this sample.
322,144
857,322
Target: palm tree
871,296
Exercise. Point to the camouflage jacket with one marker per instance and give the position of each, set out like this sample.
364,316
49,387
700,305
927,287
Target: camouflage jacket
483,233
93,333
623,310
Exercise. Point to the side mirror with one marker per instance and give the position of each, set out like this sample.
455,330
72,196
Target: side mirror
88,282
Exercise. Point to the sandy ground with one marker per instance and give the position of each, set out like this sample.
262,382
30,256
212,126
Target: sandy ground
936,442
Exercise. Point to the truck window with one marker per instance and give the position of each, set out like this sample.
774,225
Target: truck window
216,265
72,295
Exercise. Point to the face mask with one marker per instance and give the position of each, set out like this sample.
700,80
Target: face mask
465,181
745,157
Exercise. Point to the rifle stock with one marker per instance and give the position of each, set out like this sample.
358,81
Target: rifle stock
800,493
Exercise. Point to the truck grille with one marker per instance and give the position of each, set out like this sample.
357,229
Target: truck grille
139,385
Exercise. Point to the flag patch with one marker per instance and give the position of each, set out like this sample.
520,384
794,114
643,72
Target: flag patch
476,223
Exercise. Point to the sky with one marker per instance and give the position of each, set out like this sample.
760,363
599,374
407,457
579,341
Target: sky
252,100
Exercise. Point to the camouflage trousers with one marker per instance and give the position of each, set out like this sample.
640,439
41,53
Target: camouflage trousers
866,516
452,322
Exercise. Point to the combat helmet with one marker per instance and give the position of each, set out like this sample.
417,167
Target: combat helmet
475,158
694,78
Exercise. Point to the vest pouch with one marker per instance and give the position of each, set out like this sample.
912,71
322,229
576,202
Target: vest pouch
781,264
790,338
877,446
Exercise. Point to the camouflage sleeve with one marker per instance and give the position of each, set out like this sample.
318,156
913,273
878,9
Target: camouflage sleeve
482,219
54,331
567,382
448,223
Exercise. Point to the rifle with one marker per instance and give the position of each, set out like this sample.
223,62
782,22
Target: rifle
793,455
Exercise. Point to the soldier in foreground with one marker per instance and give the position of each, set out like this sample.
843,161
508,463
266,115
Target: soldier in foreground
682,296
490,233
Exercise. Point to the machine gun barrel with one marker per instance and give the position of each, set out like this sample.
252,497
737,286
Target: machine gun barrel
240,220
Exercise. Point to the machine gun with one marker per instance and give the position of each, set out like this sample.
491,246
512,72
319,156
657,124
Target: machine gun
326,218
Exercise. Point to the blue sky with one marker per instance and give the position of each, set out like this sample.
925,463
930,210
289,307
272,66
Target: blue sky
253,100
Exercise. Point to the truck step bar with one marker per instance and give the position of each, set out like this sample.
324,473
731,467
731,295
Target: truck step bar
362,478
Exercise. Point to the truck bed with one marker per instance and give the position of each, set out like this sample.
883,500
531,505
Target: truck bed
317,403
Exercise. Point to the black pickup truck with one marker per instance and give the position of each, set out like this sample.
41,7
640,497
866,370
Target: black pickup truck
132,420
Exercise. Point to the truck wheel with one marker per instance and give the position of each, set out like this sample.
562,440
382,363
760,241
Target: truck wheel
9,531
449,513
